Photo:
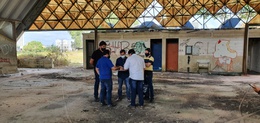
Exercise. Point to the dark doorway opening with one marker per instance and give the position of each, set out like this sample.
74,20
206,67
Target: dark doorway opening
253,62
90,50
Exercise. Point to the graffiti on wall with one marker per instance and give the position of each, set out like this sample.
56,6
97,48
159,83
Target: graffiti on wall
224,56
116,46
6,49
196,47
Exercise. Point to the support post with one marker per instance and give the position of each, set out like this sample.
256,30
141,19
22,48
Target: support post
96,39
245,55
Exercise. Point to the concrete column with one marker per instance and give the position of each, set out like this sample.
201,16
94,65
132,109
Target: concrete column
84,52
245,54
164,54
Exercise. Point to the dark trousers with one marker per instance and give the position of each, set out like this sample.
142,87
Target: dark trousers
148,81
137,87
106,91
96,85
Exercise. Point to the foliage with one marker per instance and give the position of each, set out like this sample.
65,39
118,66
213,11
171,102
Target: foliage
77,36
33,46
59,58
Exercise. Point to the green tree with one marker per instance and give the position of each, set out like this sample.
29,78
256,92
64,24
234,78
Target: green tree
77,36
34,46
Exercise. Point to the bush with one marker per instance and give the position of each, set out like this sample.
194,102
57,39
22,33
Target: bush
59,58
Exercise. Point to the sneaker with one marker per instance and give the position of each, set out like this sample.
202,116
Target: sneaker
141,107
111,105
129,100
103,104
118,99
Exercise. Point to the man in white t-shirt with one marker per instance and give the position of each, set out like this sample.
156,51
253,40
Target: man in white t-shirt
135,64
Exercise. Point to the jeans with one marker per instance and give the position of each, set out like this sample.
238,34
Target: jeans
149,81
137,87
106,91
96,85
127,86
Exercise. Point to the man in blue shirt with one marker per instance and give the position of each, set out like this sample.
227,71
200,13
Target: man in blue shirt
104,69
123,76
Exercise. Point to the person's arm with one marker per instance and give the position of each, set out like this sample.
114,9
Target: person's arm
126,66
91,61
97,70
149,62
112,66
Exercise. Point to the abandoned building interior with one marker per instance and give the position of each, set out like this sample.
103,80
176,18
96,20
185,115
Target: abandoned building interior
191,41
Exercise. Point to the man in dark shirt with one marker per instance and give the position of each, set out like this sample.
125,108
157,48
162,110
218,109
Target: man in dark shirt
97,54
123,76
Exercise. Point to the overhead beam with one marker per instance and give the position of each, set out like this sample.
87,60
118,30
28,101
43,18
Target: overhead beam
31,16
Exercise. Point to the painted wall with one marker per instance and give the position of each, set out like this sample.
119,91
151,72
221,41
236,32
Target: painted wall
223,49
8,57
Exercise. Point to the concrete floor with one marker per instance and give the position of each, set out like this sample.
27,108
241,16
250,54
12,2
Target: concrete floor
66,95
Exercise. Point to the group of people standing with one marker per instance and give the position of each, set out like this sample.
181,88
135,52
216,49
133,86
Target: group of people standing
136,72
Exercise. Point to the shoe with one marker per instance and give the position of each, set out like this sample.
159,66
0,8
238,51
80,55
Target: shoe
129,100
103,104
131,107
118,99
111,105
151,100
96,99
141,107
146,98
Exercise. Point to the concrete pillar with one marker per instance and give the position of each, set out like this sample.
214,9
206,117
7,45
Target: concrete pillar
164,54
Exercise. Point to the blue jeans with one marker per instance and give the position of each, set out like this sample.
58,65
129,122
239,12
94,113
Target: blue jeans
96,85
137,87
149,81
127,86
106,91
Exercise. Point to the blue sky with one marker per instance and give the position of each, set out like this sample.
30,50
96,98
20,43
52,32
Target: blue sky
46,37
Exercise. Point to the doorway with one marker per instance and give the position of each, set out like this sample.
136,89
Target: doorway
172,54
90,50
156,47
253,63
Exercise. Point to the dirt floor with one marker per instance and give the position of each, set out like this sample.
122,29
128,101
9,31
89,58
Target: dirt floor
66,95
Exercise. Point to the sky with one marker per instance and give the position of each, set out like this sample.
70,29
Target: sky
47,38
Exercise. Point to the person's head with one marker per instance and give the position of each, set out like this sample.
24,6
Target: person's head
147,52
106,53
102,45
122,53
131,52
